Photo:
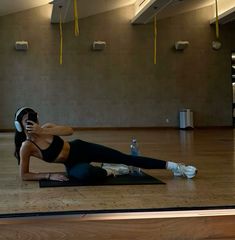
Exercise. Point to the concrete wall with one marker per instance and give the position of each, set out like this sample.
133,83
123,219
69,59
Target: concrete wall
120,86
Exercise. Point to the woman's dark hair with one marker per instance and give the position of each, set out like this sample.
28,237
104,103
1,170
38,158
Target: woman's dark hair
20,137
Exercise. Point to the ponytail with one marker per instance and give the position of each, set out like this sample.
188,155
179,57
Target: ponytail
20,137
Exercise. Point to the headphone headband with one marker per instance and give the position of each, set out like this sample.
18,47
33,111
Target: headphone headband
17,123
19,111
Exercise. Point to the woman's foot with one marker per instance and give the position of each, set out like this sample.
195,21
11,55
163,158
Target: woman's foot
182,170
115,169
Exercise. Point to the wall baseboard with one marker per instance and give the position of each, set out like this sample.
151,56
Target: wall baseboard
135,128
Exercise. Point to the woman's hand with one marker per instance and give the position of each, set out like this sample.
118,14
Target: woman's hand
57,177
33,127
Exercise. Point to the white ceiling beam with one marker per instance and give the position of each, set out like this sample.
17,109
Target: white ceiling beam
225,17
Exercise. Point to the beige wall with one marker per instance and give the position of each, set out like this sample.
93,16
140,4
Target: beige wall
119,87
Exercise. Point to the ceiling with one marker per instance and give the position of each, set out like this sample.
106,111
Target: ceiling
181,6
92,7
86,7
7,7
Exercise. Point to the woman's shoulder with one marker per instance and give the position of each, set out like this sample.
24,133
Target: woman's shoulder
27,148
27,144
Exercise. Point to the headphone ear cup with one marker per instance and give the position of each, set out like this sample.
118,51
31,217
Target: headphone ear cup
18,126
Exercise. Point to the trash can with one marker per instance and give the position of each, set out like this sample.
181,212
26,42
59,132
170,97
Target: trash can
186,119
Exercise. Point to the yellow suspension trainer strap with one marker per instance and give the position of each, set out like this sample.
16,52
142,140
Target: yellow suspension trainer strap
216,20
76,28
61,38
155,41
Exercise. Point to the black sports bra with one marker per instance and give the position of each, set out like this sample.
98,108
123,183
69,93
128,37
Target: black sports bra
52,152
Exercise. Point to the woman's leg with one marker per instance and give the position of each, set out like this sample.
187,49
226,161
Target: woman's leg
90,152
86,172
84,152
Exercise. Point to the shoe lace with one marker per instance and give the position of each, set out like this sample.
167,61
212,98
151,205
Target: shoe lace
181,169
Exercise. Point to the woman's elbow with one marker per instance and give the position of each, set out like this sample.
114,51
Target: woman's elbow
24,177
70,131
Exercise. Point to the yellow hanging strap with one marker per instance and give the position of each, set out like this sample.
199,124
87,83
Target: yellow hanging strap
76,28
61,38
155,40
217,20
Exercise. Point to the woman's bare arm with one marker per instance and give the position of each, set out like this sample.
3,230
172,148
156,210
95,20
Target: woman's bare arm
26,175
49,128
25,153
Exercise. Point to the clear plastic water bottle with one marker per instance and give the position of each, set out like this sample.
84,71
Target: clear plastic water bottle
134,148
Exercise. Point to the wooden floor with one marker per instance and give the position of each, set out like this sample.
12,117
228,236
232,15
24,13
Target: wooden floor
210,150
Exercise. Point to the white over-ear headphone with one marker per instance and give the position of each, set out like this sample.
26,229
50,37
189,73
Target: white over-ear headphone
18,125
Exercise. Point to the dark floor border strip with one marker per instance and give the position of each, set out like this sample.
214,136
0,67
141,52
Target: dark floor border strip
81,212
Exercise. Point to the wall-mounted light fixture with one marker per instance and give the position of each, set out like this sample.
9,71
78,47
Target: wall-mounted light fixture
181,45
21,45
98,45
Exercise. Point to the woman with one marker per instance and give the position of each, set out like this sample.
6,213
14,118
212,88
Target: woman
43,142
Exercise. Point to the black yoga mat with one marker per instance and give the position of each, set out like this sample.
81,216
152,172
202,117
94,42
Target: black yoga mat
118,180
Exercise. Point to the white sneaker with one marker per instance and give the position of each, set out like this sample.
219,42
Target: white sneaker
115,169
184,171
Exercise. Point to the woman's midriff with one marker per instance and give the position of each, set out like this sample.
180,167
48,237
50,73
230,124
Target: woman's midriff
64,154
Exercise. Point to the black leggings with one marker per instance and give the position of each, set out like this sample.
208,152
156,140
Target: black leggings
83,153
